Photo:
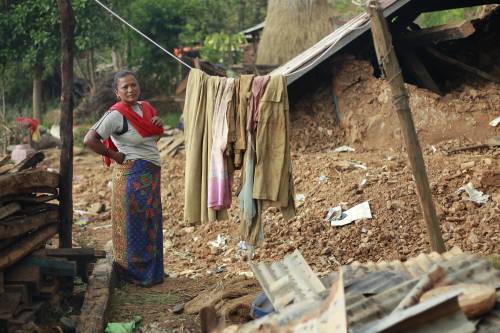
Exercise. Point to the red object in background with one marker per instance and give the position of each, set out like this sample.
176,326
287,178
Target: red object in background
178,52
31,123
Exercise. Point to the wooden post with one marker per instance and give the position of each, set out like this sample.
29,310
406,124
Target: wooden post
66,123
390,66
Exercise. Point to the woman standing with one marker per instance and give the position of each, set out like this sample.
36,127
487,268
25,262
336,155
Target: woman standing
127,134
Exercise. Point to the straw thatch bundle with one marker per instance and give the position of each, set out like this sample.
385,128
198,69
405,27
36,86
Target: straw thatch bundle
291,27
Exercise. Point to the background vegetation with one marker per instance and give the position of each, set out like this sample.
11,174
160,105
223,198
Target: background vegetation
29,43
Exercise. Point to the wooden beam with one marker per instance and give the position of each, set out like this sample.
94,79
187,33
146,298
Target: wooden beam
52,266
21,225
455,63
66,122
25,246
29,162
419,72
390,65
29,198
73,253
435,34
21,182
8,210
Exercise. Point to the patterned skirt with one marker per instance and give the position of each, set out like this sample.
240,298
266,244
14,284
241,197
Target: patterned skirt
136,215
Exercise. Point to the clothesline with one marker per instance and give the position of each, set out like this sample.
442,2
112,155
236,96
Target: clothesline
143,35
345,29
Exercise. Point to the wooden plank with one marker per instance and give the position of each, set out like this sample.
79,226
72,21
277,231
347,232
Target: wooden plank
29,162
453,62
29,198
25,246
6,168
8,305
4,160
164,142
436,34
21,225
24,274
21,181
173,147
5,243
390,65
52,266
73,253
417,69
39,208
67,21
93,311
23,290
9,209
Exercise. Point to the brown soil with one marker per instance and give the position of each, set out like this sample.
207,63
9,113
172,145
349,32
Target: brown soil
326,179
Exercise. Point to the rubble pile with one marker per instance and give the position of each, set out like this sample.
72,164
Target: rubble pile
454,291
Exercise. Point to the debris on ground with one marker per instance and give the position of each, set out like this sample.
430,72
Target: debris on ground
446,289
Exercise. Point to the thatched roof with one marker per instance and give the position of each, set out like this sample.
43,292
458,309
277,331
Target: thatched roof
292,26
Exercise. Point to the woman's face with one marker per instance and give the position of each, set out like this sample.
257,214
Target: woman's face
128,89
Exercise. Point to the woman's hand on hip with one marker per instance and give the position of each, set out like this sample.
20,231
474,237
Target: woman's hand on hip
157,121
118,156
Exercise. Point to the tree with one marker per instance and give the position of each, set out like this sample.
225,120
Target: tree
291,27
34,39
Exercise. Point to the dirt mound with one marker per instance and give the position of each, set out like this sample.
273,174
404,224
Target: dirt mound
368,120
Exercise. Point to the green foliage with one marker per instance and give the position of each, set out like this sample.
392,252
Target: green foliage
223,48
447,16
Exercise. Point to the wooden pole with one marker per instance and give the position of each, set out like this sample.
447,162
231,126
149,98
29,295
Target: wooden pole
66,123
389,62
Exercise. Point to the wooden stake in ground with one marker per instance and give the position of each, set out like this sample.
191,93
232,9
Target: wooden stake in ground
66,122
389,62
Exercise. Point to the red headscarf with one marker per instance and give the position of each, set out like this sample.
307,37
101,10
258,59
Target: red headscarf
32,123
143,124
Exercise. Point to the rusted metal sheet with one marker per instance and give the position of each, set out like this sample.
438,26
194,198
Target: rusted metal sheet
373,291
290,280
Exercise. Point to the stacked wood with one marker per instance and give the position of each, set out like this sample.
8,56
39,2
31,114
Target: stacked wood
171,145
29,217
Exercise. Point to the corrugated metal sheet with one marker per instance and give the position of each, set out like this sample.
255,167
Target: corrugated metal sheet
373,290
289,280
256,27
332,43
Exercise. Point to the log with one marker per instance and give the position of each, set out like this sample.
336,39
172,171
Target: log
4,160
418,70
25,246
73,253
6,168
52,266
29,162
21,225
436,34
23,181
67,20
28,275
455,63
29,198
390,66
8,305
8,210
36,209
476,300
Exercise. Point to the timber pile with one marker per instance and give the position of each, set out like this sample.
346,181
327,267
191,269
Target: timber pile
171,145
28,218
